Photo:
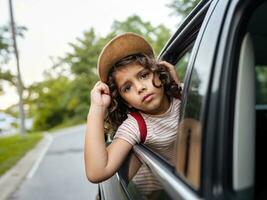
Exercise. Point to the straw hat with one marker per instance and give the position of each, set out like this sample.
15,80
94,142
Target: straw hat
119,47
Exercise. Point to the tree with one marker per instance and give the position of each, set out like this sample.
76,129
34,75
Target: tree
46,102
85,53
86,50
6,76
5,51
261,85
4,44
155,35
183,7
77,99
19,84
6,41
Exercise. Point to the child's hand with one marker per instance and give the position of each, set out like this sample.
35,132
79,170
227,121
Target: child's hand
100,95
172,70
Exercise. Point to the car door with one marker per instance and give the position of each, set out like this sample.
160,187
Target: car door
221,136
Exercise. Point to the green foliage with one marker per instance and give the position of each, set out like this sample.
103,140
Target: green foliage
157,36
4,55
57,100
181,66
85,53
86,50
183,7
13,148
261,84
46,102
7,76
77,99
5,50
5,43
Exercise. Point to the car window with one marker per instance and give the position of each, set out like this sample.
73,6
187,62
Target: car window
261,130
261,84
250,107
181,66
189,135
257,29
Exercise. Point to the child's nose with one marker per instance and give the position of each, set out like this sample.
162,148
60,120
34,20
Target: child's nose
141,87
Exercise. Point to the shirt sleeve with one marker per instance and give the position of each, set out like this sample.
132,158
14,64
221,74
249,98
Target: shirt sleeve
176,103
128,131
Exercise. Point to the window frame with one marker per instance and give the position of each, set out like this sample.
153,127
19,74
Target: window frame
219,109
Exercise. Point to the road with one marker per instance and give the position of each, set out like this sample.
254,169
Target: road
61,173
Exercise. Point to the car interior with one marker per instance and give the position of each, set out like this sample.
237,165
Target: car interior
258,31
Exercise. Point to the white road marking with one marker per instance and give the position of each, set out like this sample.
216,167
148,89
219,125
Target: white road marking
49,139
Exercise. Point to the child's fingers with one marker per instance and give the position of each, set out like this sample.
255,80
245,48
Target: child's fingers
101,87
171,70
105,89
166,64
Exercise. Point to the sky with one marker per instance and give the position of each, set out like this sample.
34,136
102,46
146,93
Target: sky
53,24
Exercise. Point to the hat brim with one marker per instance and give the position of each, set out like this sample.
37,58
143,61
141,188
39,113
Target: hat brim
118,48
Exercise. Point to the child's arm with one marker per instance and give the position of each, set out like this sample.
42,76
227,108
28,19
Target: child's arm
172,71
101,162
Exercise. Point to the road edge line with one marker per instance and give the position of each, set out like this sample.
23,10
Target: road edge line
37,163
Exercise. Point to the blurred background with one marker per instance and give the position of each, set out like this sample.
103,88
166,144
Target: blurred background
58,43
48,55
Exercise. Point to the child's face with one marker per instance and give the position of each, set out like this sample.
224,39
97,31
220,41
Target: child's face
135,86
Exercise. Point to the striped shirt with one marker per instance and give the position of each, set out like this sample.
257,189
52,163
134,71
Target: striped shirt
161,136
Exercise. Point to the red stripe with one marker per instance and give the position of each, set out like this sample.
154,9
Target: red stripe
142,125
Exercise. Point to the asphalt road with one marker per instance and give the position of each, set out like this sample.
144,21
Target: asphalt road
60,174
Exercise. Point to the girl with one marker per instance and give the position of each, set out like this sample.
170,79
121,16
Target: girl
130,80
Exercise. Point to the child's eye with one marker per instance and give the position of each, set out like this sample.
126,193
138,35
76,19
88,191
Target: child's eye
127,88
144,75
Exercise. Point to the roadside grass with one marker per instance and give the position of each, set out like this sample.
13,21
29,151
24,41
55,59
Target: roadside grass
13,148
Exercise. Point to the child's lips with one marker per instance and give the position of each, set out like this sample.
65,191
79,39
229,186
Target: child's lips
147,97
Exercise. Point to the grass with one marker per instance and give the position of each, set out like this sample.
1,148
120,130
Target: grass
13,148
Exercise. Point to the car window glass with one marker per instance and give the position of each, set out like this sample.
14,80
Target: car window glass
257,29
261,85
188,145
181,65
189,135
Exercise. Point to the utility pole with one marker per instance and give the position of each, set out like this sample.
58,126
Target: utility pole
19,81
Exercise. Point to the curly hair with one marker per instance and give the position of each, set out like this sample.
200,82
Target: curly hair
118,110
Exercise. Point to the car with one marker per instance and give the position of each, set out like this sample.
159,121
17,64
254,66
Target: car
220,52
7,123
